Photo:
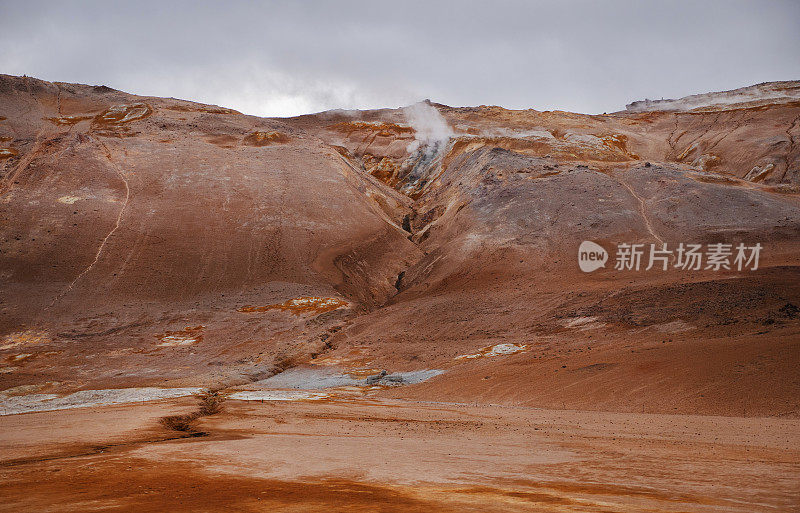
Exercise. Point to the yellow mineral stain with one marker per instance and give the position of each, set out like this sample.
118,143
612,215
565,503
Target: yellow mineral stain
495,350
204,109
300,305
25,338
69,120
265,138
379,129
619,143
190,335
69,200
8,153
125,113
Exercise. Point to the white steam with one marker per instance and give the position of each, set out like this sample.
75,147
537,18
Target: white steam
430,127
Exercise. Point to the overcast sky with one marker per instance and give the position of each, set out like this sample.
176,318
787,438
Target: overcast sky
287,58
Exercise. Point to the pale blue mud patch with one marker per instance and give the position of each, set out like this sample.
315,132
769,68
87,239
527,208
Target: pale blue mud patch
13,404
277,395
317,378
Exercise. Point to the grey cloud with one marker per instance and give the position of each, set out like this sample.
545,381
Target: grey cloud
282,58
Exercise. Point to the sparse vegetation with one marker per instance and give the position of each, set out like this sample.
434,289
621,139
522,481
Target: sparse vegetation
210,403
179,422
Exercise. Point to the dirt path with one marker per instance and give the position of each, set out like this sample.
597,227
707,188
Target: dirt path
642,211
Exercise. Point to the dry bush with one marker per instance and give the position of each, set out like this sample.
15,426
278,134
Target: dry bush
210,402
179,422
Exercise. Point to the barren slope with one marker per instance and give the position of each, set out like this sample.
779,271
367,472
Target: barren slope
153,241
126,220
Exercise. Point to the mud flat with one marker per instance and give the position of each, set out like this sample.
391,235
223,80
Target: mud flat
312,377
28,403
395,455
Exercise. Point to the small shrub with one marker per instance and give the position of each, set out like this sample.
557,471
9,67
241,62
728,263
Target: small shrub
178,422
210,403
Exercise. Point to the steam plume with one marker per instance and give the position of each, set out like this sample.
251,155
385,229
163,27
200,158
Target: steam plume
430,127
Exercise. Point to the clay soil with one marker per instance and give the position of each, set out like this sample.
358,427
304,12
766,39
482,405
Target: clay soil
353,454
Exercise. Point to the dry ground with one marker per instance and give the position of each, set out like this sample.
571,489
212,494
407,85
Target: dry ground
353,454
